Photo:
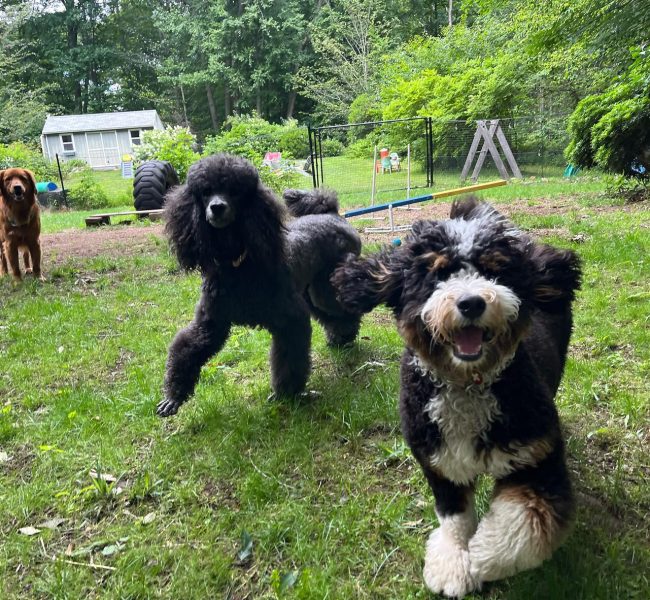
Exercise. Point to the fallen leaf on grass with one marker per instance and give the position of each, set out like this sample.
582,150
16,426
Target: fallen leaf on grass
29,530
149,518
4,457
51,523
104,476
111,549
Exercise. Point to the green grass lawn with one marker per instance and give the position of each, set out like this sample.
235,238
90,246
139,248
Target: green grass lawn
238,497
352,178
118,189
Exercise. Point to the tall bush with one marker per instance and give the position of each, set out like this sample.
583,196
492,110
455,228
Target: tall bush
18,154
87,193
249,136
252,137
174,144
611,130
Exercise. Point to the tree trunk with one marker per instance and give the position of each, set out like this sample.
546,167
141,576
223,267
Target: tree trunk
212,107
227,102
291,105
185,121
258,101
451,9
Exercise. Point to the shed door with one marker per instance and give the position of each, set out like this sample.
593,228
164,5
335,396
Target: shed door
95,149
111,149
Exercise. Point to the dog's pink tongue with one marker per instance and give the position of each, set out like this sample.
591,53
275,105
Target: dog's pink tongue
469,340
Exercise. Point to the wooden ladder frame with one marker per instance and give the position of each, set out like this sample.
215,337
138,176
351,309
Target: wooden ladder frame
485,132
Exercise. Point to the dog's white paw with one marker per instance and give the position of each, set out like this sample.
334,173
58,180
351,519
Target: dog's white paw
447,566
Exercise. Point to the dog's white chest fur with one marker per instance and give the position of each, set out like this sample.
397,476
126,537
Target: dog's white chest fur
464,417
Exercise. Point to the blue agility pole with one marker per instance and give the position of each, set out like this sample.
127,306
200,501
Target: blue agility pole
444,194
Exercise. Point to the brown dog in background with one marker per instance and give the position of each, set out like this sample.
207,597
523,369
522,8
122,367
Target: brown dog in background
20,223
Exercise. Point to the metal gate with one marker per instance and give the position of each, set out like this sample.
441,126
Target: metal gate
353,158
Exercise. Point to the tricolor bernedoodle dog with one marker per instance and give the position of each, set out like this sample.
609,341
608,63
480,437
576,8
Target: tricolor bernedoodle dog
485,312
258,269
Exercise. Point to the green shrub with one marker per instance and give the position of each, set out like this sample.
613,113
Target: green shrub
332,147
364,109
280,179
363,148
87,193
611,130
294,141
173,144
248,136
18,154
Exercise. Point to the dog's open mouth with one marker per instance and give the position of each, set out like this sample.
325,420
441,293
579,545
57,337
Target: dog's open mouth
468,342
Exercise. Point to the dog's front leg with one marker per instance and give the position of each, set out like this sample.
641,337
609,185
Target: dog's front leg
11,252
522,528
447,560
3,261
35,252
189,351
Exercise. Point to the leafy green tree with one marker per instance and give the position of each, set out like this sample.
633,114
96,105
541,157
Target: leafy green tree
350,40
611,130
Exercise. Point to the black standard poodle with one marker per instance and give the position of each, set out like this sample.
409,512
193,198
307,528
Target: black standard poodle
258,268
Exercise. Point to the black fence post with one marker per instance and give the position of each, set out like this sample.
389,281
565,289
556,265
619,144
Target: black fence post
312,155
429,136
320,157
65,195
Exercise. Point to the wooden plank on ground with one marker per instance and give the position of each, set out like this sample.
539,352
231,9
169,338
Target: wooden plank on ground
105,218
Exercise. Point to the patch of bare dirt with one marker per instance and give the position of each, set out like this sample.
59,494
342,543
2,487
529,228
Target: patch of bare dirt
128,238
116,240
557,205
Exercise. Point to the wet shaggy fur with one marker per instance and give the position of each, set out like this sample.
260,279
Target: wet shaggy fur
20,223
485,312
259,268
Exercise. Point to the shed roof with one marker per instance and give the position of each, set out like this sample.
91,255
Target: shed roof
101,121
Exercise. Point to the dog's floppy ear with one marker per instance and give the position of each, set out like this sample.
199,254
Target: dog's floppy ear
557,275
464,207
264,228
186,228
363,283
31,179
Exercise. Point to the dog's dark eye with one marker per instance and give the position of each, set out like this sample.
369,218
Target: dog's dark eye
494,261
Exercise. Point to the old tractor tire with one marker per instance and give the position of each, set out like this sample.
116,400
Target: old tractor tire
150,184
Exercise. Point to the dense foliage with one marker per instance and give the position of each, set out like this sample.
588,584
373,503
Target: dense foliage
174,144
204,64
611,130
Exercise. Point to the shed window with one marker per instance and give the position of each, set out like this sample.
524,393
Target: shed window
135,137
67,142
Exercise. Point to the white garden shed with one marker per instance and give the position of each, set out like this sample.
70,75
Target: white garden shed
100,139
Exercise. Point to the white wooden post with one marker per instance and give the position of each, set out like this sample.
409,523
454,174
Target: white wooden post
408,171
374,177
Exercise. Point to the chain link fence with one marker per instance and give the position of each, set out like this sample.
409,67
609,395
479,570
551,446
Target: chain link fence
375,160
537,145
354,160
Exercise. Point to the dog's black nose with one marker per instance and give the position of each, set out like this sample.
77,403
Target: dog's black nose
471,307
18,190
217,207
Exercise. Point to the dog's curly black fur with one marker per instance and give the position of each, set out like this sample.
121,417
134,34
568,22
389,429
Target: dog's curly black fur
258,269
485,312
